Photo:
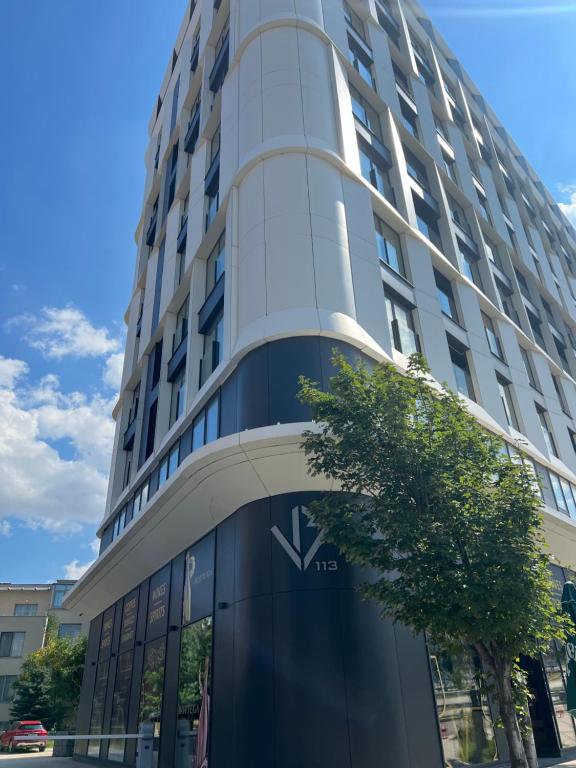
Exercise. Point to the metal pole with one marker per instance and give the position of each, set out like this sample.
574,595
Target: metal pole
145,754
183,744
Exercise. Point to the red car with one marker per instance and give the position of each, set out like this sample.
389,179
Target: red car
12,738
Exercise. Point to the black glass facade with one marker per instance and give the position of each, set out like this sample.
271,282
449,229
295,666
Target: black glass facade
257,637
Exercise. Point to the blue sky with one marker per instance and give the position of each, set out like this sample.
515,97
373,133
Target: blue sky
79,79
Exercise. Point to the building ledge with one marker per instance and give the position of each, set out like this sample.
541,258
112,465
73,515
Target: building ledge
214,482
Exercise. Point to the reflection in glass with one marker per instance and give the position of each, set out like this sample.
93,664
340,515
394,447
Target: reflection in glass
554,666
465,722
98,708
119,722
194,685
152,686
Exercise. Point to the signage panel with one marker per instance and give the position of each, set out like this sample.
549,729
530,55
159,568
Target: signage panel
158,602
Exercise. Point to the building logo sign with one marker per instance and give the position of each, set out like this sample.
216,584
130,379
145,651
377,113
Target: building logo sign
295,549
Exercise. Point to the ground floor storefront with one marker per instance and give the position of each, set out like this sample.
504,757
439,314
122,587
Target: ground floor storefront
257,637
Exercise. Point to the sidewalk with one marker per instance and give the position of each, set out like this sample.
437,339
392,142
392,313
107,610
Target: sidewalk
569,764
35,760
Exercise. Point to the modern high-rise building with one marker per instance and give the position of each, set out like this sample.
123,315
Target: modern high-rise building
320,174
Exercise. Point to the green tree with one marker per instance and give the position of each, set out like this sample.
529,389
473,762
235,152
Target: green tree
48,687
449,523
31,698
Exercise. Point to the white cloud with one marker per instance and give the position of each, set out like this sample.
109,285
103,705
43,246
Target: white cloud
11,370
75,569
65,332
5,528
112,375
569,208
38,485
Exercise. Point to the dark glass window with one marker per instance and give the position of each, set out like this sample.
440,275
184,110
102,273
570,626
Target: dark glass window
120,701
461,369
558,493
401,321
561,349
536,325
365,113
374,170
194,686
458,215
492,337
181,325
555,667
156,364
212,205
572,436
59,594
198,431
173,459
445,296
6,687
546,430
98,700
523,284
151,431
212,419
12,644
216,264
463,710
429,227
361,62
388,244
560,395
493,253
151,692
504,388
70,631
354,21
469,264
199,581
171,179
178,397
163,472
409,118
213,339
449,166
416,168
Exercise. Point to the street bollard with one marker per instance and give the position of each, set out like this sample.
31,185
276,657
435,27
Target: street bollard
145,754
183,744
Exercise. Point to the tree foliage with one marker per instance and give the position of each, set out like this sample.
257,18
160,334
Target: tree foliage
48,687
446,519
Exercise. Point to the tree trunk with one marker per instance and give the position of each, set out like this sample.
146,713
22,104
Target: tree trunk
528,737
503,684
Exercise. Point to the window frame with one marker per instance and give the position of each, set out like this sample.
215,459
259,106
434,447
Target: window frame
447,294
385,237
455,349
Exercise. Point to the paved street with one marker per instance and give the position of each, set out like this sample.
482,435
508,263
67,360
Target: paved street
36,760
